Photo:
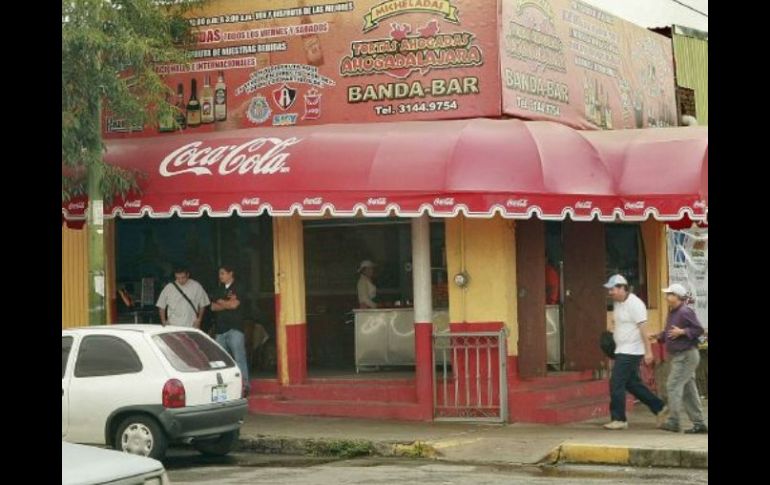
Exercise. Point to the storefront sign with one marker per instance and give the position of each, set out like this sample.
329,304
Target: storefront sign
267,63
567,61
688,252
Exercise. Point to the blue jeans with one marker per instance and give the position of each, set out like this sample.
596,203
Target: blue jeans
625,377
234,342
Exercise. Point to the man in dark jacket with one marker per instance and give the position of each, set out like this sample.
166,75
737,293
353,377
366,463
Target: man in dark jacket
681,336
229,321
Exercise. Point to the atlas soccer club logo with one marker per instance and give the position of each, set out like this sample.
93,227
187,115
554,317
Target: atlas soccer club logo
284,97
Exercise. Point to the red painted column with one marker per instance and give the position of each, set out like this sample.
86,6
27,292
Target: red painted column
423,315
423,354
296,346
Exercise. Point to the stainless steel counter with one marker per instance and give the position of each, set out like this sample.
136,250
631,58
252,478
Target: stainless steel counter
385,336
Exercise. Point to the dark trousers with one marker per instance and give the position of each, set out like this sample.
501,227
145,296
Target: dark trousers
625,377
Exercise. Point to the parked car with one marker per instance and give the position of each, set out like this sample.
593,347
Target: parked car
139,388
88,465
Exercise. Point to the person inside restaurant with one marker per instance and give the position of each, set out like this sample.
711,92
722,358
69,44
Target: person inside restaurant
552,285
367,291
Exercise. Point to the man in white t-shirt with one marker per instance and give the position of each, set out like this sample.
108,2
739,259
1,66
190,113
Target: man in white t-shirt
183,301
632,344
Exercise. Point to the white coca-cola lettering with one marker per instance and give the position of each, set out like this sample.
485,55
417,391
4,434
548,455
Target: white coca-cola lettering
377,201
584,204
133,203
252,201
446,201
517,203
701,204
638,205
313,201
191,203
77,206
260,156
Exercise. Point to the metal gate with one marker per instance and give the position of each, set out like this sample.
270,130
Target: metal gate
470,382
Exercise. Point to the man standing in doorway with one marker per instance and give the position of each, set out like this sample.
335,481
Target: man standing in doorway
632,343
367,291
229,321
681,336
183,301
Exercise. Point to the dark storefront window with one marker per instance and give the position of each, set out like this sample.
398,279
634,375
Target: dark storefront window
147,249
334,249
626,256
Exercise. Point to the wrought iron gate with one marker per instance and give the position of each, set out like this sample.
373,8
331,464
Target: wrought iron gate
470,382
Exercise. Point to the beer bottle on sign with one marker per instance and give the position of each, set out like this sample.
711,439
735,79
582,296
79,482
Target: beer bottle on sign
207,101
220,98
193,106
607,111
181,119
166,121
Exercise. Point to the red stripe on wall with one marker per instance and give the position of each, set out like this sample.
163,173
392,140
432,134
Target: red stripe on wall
296,347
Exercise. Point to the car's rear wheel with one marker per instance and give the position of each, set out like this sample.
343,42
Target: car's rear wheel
141,435
219,446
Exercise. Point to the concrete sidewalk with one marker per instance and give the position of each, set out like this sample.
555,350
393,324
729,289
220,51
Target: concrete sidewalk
514,444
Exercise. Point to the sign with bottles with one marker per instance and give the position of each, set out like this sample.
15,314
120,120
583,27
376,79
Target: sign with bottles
264,63
567,61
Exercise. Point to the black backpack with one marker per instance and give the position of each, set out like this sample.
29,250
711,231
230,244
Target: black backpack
607,344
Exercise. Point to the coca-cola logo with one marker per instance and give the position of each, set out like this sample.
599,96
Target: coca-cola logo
377,201
76,206
252,201
444,201
313,201
133,204
638,205
584,204
517,203
701,204
191,203
260,156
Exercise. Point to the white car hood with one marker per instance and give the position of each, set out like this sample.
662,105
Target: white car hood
86,465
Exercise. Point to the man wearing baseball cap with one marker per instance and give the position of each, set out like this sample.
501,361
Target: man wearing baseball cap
681,338
632,343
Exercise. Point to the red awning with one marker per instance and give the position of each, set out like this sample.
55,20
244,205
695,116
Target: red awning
477,167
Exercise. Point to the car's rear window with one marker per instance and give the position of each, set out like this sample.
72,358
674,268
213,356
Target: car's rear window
192,352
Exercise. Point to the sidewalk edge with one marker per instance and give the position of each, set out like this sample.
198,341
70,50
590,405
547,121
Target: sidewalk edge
579,453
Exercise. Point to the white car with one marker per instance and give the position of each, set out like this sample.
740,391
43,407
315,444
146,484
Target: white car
139,388
87,465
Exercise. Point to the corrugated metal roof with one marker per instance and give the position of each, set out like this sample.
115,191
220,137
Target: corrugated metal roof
691,58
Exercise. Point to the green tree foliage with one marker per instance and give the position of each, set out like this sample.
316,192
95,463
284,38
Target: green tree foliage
110,49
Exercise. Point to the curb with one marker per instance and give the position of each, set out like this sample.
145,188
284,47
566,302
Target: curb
571,453
576,453
342,448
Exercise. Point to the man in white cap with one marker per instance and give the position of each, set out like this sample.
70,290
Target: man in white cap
681,336
632,343
367,292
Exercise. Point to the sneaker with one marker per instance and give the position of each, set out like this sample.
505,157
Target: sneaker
669,427
661,416
615,425
698,429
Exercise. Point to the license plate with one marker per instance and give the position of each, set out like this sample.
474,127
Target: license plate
219,394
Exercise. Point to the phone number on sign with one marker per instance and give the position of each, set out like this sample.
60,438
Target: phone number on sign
424,107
